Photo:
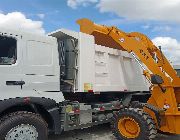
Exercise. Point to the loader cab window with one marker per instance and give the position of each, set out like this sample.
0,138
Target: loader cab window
8,50
178,72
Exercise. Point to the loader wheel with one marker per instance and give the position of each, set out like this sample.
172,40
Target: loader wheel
23,126
134,124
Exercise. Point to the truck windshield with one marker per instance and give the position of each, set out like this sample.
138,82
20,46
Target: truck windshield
8,51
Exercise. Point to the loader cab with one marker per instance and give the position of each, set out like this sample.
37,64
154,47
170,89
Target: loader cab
178,72
177,68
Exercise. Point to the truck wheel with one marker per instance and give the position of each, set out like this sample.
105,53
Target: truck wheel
131,123
23,126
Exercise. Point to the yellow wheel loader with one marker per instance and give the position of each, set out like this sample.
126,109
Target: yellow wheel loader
140,121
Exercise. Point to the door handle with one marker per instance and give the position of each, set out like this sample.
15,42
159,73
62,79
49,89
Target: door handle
15,83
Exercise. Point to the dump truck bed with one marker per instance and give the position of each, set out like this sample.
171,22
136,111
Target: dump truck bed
88,67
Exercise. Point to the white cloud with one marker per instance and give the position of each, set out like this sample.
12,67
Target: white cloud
17,20
161,10
157,28
161,28
75,3
145,27
41,16
170,47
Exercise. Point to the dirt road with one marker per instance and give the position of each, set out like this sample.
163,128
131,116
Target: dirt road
101,132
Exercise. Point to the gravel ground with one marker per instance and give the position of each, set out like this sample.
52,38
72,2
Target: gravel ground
101,132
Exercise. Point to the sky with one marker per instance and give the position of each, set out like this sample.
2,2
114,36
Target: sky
159,20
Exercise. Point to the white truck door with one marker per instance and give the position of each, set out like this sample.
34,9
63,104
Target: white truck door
41,67
11,83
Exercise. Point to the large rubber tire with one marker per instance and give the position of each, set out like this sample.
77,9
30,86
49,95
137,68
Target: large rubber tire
146,124
16,119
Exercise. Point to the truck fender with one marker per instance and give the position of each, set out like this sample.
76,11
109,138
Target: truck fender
48,105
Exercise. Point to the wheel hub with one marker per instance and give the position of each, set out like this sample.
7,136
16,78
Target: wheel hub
22,132
129,128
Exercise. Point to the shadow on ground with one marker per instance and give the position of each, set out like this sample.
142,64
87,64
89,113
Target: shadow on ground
101,132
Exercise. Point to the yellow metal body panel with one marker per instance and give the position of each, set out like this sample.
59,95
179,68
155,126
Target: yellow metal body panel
146,51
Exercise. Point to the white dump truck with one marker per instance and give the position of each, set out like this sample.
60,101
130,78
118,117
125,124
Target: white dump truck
62,81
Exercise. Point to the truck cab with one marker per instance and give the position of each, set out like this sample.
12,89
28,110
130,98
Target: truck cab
29,65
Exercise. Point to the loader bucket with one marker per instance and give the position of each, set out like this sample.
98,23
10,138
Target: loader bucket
99,32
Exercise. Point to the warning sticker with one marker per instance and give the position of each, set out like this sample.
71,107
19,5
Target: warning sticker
88,87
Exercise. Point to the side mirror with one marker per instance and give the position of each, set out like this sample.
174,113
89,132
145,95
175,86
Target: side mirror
156,79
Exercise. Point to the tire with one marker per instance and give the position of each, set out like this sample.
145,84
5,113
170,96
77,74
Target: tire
22,124
136,104
144,124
